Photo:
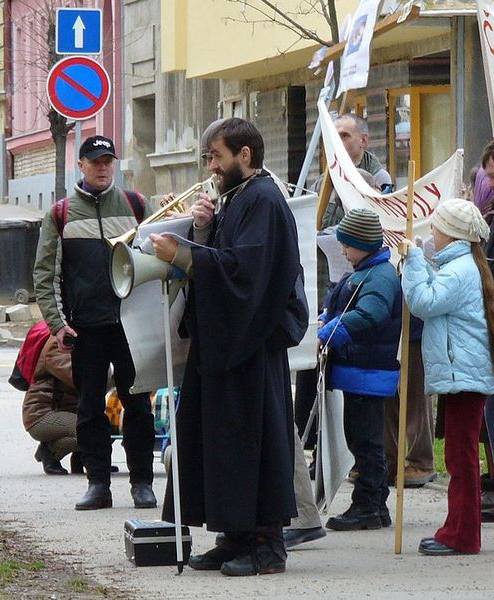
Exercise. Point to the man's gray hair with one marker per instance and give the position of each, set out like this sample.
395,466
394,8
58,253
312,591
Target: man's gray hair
360,124
209,132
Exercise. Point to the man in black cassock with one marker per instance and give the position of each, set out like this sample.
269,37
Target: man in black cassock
235,422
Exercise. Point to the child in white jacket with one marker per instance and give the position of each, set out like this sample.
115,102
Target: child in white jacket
456,303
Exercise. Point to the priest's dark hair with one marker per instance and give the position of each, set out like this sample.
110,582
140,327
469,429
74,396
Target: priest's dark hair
237,133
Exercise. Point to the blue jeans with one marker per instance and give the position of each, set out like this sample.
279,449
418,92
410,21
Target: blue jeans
364,430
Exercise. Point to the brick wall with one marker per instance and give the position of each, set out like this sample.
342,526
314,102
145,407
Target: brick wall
34,162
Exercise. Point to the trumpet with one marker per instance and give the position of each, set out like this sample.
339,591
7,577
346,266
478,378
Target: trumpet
208,186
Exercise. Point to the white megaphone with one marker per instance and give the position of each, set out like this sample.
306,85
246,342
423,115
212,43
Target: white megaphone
130,267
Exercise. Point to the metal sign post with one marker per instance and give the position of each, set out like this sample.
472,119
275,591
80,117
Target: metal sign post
173,430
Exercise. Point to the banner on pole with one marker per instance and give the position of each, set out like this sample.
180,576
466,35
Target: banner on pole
356,56
439,184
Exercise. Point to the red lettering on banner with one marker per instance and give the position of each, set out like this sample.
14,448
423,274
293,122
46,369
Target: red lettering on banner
393,238
396,206
433,190
487,28
337,164
423,205
393,208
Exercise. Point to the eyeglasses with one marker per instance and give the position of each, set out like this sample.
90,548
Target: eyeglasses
207,157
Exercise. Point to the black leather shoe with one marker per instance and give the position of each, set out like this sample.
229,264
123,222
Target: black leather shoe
55,468
261,561
51,466
432,548
211,560
354,519
143,495
426,541
98,495
294,537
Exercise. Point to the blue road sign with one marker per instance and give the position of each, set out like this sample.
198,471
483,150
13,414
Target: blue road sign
78,31
78,87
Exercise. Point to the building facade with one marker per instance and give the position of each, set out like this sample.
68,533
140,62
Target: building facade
417,101
164,113
29,147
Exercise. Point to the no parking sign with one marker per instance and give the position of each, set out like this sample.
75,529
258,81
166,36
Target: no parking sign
78,87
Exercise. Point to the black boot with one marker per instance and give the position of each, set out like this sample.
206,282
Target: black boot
212,560
98,495
228,546
51,466
76,466
263,559
143,495
356,518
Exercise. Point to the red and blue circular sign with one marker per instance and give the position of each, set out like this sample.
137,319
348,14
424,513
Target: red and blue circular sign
78,87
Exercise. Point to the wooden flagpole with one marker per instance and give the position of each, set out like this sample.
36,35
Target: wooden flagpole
405,348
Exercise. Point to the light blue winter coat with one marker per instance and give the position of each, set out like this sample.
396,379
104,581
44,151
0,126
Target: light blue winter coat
455,344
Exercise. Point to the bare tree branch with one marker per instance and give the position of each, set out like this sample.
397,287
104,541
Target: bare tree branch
286,21
325,11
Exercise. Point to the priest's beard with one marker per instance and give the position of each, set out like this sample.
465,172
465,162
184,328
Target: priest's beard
230,179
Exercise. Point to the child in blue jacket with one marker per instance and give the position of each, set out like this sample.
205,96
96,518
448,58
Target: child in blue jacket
456,303
362,327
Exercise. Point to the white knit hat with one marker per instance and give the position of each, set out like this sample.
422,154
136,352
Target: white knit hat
461,220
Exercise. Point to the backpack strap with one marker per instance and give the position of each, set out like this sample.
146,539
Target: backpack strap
59,214
61,207
136,202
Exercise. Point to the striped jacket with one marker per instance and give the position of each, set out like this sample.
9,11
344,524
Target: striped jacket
71,273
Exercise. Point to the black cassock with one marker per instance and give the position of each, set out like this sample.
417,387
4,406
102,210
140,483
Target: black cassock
234,422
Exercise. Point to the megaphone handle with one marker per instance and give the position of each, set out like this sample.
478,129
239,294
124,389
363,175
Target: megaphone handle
173,428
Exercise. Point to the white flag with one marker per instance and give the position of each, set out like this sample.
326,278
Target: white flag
485,17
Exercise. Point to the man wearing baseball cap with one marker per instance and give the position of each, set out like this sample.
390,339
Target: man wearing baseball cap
75,296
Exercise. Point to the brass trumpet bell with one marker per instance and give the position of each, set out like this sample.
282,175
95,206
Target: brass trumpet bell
208,186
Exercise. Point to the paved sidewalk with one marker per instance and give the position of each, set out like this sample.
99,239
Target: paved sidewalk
343,565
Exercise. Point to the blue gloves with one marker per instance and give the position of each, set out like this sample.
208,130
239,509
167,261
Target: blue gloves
340,335
324,317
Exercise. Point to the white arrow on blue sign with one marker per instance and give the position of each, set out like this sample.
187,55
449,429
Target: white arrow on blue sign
78,31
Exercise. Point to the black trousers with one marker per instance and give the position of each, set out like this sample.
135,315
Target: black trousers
95,349
305,395
364,429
